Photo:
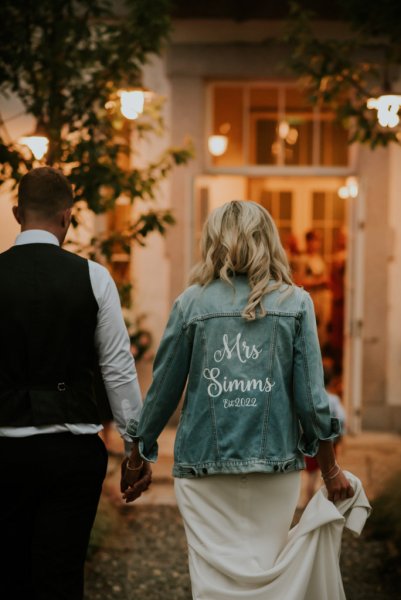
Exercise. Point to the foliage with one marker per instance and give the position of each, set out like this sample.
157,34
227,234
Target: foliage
344,73
66,60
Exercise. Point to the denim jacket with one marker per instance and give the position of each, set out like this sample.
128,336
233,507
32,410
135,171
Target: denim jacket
254,400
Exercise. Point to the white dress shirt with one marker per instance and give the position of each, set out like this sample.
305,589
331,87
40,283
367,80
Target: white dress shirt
113,347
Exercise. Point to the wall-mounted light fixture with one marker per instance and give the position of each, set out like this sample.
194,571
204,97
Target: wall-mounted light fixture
37,142
217,144
387,107
132,102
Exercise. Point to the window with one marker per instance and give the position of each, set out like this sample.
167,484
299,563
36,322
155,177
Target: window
274,125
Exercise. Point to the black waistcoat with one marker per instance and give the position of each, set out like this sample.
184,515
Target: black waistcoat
48,317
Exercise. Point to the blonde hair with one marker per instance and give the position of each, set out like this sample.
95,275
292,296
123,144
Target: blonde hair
241,237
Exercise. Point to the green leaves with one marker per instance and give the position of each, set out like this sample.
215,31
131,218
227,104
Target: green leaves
343,74
66,60
12,164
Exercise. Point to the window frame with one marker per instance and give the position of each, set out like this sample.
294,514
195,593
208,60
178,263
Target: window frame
280,169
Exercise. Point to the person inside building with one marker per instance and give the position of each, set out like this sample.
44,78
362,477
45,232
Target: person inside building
312,274
337,285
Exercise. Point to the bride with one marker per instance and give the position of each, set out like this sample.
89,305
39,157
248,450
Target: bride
242,342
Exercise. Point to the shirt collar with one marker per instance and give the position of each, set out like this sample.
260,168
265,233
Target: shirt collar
36,236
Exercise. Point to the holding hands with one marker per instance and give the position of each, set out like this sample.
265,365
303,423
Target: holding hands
136,475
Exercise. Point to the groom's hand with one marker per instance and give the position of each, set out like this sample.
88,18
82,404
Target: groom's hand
133,486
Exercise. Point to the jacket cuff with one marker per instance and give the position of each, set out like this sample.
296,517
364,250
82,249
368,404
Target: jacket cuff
149,456
310,447
132,428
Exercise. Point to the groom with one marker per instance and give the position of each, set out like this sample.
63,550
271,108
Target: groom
58,314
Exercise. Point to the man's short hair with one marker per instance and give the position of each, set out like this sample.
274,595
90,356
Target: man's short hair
44,192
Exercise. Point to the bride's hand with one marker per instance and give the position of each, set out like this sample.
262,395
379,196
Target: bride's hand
338,488
134,489
130,472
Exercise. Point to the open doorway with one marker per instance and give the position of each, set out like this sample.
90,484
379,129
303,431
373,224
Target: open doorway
312,221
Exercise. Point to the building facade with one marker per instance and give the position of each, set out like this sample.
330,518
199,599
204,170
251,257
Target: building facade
219,74
227,77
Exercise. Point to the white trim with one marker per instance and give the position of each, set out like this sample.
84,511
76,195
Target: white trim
354,312
281,171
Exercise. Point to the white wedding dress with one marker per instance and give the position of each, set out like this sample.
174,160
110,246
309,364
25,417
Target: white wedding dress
239,546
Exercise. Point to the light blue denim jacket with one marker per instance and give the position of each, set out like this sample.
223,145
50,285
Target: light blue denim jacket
254,400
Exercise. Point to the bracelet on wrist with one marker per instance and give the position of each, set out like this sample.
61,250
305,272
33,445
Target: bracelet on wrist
328,476
134,468
329,471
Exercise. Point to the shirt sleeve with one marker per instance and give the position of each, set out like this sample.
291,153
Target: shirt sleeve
311,400
113,346
170,372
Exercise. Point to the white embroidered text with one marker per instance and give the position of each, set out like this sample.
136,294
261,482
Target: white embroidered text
239,349
217,386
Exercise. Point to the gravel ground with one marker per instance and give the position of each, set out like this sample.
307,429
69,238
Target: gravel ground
140,552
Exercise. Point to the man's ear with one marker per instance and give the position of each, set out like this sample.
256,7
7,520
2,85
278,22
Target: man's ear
66,217
16,214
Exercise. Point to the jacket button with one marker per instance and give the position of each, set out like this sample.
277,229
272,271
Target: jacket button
204,470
